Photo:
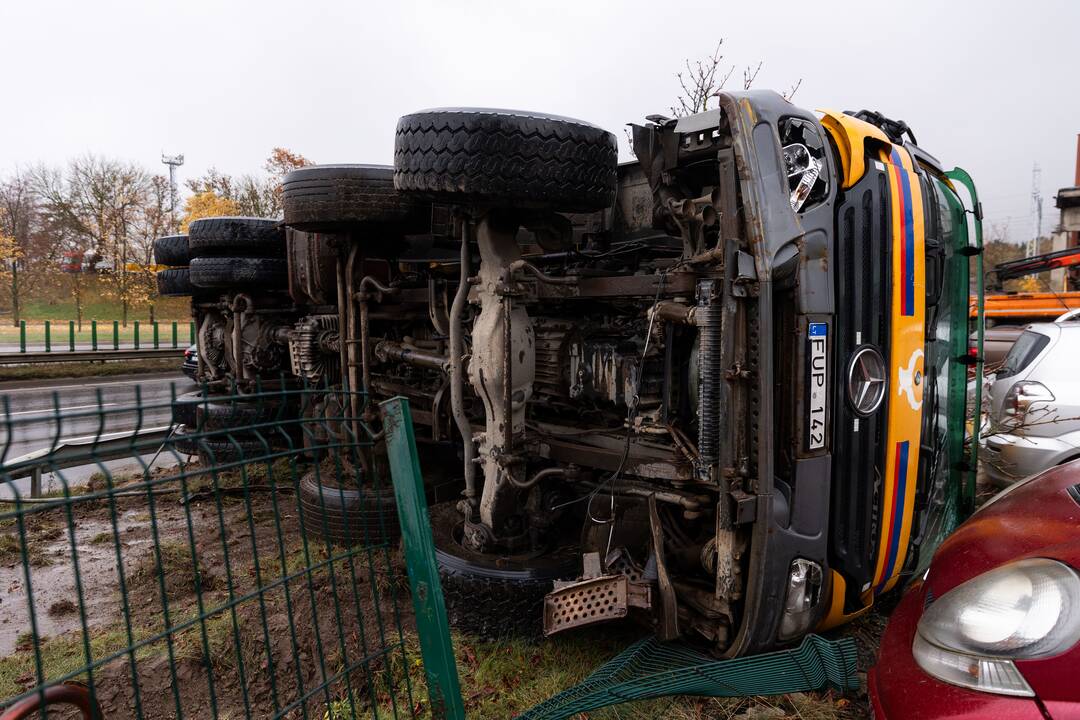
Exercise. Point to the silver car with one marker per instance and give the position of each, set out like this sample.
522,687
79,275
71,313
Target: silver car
1034,418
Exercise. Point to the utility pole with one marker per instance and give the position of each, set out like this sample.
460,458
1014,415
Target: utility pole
1036,210
173,161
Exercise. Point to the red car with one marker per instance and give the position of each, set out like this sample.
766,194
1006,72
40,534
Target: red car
993,628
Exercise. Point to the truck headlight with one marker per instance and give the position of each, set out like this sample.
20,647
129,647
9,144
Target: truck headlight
971,635
803,592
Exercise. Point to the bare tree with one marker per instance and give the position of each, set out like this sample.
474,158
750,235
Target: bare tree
703,80
97,201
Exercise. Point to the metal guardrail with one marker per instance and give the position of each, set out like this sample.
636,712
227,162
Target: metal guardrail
78,452
89,355
173,340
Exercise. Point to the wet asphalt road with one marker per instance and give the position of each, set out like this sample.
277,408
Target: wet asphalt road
29,412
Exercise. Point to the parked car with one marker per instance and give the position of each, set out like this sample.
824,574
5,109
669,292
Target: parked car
1035,404
190,366
992,630
999,339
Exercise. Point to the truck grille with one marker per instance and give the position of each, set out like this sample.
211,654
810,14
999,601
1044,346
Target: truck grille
863,296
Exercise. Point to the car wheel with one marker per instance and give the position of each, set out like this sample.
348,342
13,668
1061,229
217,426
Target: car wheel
233,236
493,596
517,158
339,198
175,282
229,272
348,516
172,250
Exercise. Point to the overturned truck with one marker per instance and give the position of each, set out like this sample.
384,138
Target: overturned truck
719,388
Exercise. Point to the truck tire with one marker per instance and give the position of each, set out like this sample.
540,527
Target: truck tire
517,158
337,198
348,516
232,236
493,596
230,272
229,414
184,408
218,449
172,250
182,441
175,282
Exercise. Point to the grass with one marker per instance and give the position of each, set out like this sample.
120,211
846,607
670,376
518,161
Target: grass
60,657
96,305
60,370
503,679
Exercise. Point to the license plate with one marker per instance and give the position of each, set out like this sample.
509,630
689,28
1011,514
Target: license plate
818,381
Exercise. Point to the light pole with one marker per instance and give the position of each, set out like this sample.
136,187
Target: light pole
173,161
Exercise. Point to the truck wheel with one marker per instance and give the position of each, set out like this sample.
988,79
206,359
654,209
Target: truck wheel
229,272
226,414
183,408
494,596
246,236
172,250
175,282
519,158
336,198
348,516
217,449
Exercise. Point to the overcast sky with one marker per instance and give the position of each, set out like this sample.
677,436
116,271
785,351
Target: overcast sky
993,86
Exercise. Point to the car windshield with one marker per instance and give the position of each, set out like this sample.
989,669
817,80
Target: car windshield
1026,348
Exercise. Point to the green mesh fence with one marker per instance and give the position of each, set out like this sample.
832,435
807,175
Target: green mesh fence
202,555
650,669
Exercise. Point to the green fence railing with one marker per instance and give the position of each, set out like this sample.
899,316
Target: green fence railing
84,337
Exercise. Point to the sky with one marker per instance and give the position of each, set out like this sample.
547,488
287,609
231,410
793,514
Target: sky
992,86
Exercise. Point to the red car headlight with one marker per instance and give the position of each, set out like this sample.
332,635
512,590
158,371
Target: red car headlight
1025,609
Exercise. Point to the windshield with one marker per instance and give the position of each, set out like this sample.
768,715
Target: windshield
1026,348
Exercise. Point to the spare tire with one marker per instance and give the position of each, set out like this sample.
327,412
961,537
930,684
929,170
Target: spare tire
348,516
172,250
229,272
175,282
524,159
246,236
493,596
338,198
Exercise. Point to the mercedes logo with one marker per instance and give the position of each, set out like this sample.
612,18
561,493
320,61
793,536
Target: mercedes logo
866,380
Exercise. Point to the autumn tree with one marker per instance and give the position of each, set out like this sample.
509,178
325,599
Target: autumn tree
204,204
17,206
250,195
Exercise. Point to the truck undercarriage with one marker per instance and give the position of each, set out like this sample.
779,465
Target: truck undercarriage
609,361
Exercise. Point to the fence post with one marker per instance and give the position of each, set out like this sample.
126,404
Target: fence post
115,334
22,336
174,333
93,334
436,647
48,340
191,332
35,482
155,334
136,334
71,335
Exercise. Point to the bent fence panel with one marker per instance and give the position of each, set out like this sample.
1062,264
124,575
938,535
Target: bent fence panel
243,568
